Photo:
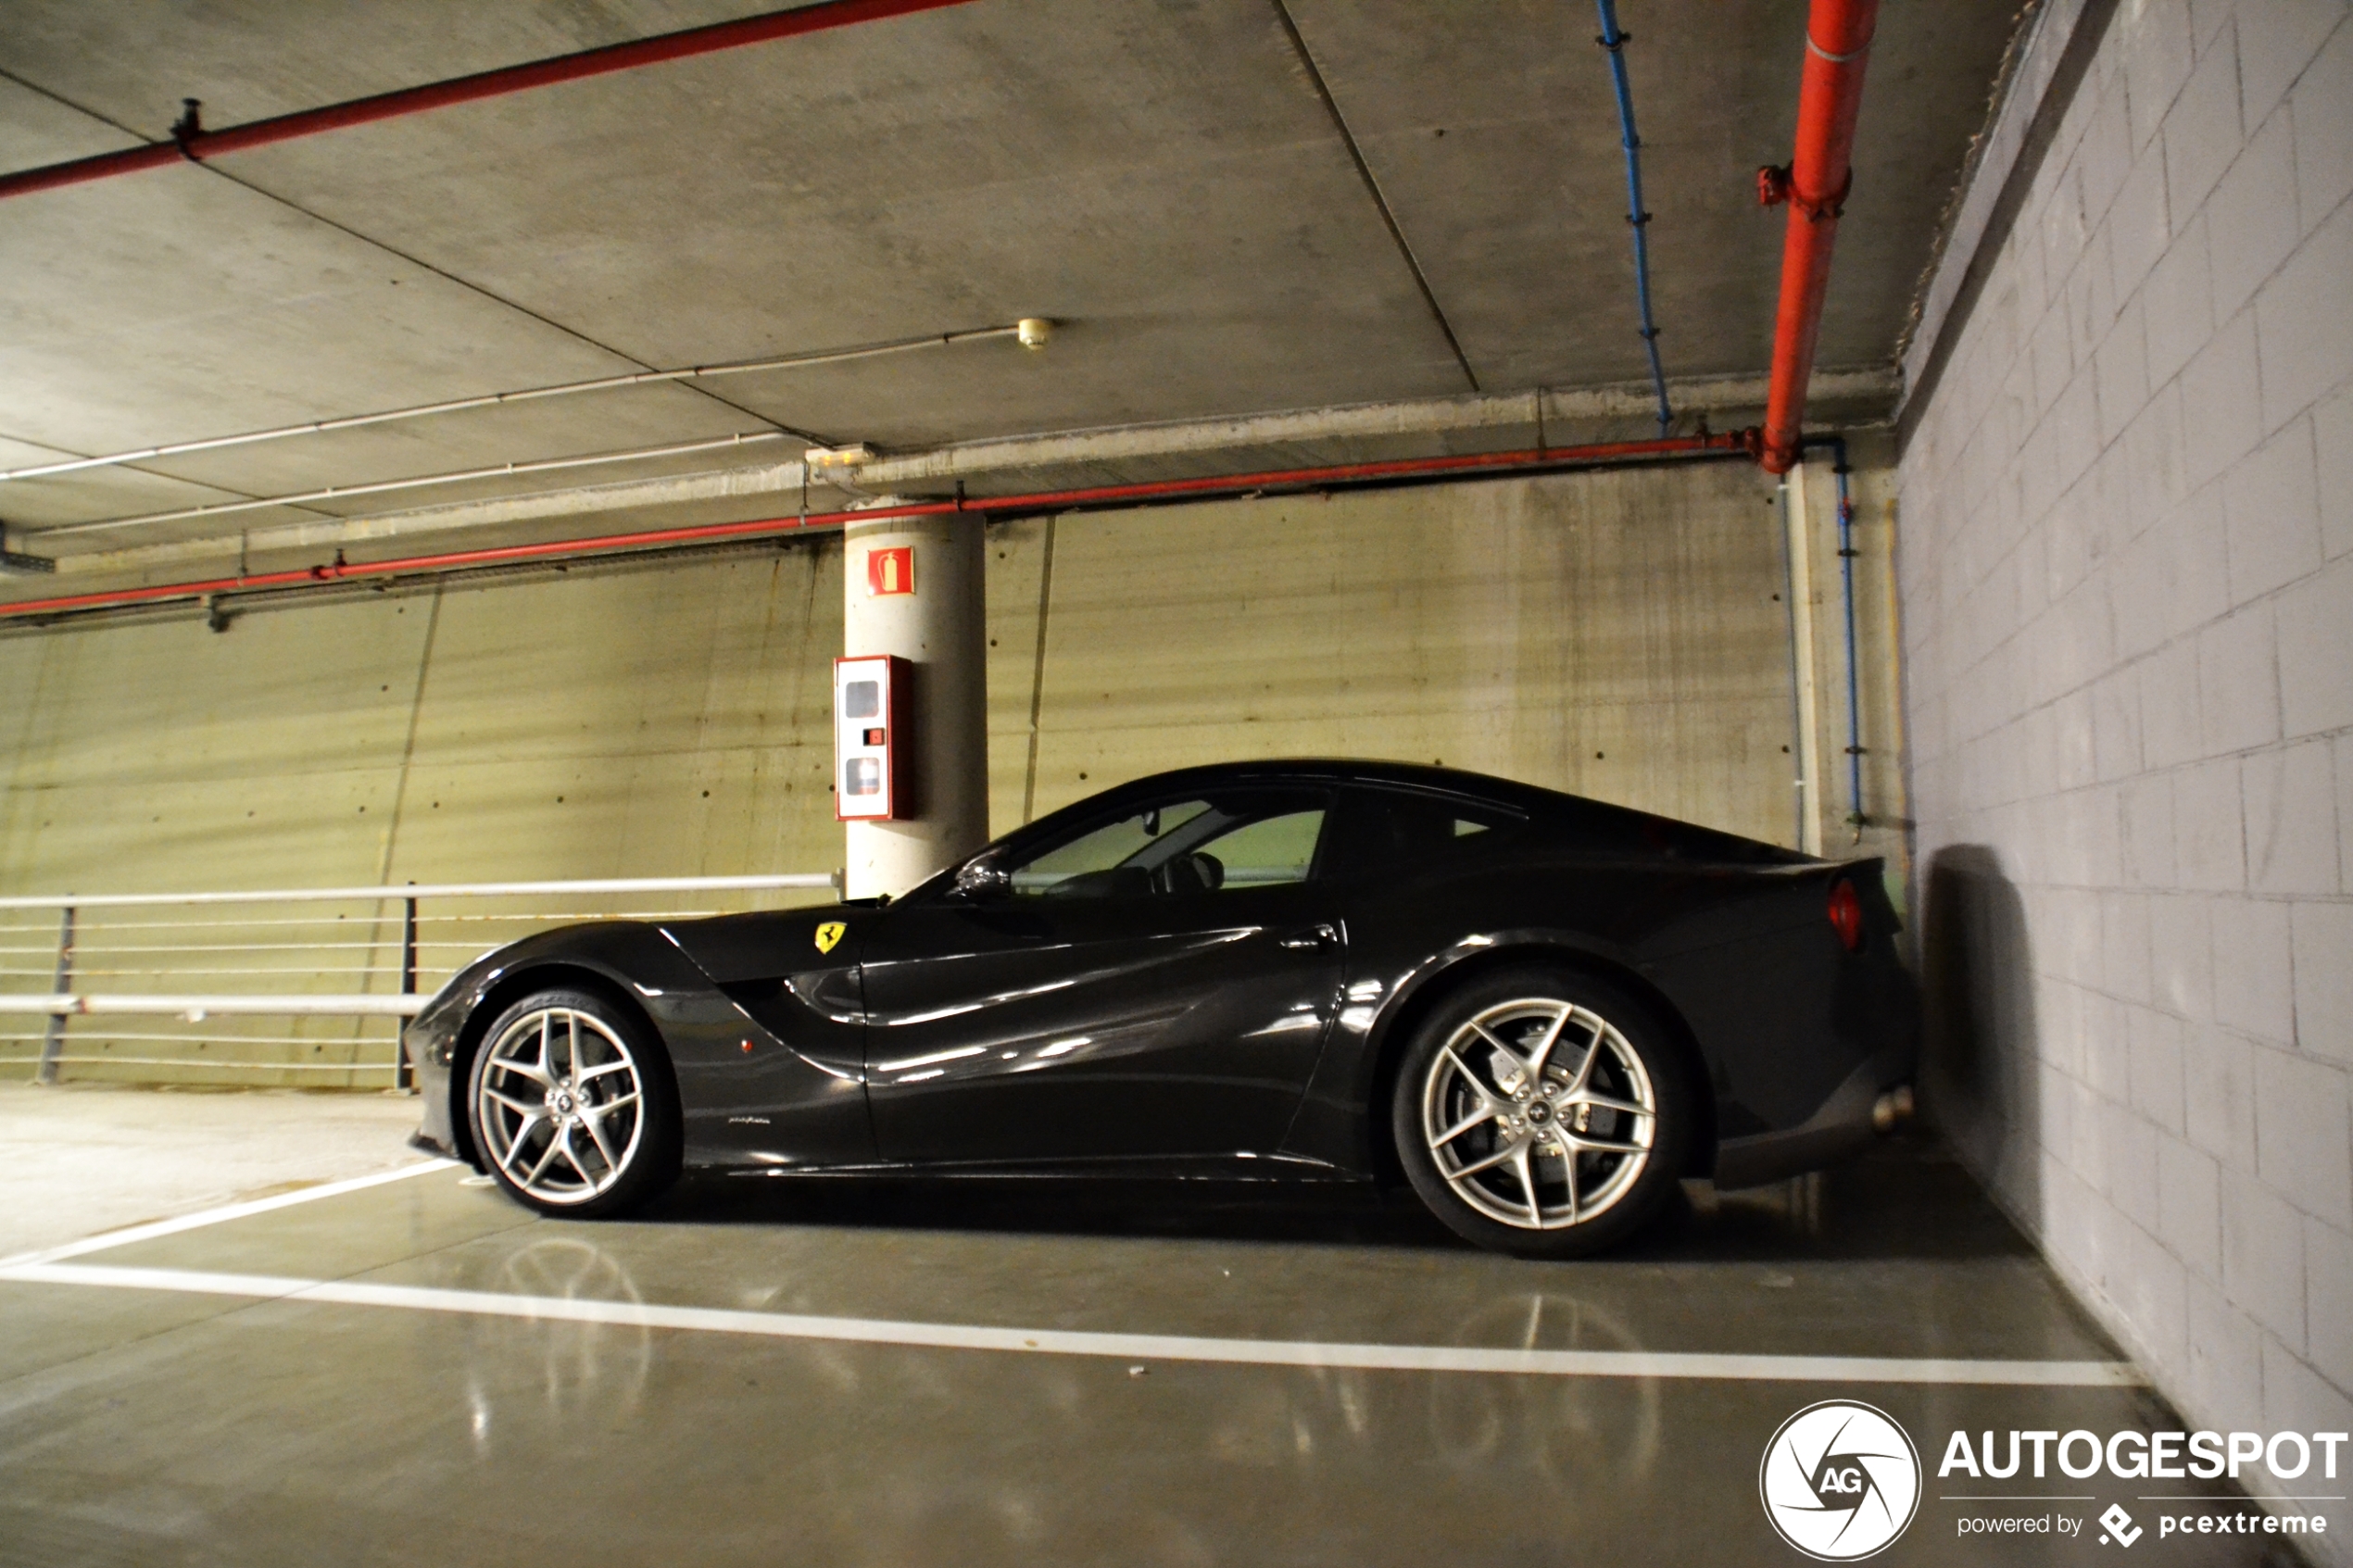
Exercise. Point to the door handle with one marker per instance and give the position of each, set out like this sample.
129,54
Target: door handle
1313,937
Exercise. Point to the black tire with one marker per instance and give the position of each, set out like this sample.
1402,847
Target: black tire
572,1106
1506,1130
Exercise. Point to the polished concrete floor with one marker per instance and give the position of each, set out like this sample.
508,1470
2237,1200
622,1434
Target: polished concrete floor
419,1372
86,1157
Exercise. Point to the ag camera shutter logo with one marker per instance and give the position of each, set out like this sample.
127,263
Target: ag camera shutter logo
1840,1481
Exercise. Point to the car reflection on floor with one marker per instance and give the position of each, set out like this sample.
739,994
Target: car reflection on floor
740,1374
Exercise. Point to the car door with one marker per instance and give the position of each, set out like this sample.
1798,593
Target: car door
1156,982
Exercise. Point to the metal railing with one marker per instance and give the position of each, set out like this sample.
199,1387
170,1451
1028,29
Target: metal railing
335,964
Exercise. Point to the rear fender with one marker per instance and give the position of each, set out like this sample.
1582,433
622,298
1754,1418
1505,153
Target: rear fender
1428,986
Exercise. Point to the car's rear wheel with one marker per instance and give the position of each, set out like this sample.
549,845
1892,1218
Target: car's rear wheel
1544,1112
572,1107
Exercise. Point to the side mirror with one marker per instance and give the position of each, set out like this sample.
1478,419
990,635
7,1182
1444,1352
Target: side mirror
983,878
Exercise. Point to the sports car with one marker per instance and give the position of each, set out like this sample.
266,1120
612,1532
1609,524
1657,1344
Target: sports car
1542,1011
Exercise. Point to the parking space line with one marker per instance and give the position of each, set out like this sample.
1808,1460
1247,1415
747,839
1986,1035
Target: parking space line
154,1228
1143,1347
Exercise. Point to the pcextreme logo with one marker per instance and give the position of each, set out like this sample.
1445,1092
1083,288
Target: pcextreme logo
1840,1480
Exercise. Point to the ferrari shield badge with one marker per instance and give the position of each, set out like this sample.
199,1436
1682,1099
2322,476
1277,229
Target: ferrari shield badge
829,933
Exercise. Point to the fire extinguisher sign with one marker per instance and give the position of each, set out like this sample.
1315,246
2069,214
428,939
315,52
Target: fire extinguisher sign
890,571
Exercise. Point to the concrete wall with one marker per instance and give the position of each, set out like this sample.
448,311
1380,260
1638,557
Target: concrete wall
1619,634
2127,581
656,722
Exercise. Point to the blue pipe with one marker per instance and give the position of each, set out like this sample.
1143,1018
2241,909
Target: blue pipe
1613,40
1837,444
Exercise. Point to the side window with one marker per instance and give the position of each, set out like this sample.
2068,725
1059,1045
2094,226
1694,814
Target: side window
1200,844
1388,831
1088,864
1268,852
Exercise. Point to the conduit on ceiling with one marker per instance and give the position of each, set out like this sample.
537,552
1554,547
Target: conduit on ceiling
1021,329
192,142
415,482
1614,38
1096,497
1820,171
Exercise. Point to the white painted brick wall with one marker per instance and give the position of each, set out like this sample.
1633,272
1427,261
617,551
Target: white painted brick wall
2127,579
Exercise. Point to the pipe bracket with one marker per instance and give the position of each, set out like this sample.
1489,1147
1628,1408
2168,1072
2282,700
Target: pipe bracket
1830,207
187,128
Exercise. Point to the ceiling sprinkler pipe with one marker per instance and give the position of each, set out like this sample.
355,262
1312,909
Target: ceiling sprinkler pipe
1107,495
1838,40
1615,39
192,142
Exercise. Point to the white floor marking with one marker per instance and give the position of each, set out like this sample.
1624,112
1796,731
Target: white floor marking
154,1228
1067,1342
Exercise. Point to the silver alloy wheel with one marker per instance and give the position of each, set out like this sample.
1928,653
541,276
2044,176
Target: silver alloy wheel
1538,1113
561,1104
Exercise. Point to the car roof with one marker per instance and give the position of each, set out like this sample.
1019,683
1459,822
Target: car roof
1348,769
1576,816
1573,817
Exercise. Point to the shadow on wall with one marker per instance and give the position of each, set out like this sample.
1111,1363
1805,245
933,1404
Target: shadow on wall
1978,1058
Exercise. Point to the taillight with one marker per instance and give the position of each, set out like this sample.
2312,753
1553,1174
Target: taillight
1846,914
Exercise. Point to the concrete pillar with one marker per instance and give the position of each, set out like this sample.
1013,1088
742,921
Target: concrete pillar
933,620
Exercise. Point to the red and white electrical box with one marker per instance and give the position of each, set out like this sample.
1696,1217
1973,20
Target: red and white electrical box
867,703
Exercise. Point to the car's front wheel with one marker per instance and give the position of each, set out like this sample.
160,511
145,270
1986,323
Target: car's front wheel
1544,1112
572,1106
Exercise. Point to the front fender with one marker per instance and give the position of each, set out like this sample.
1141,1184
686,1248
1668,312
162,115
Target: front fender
629,957
747,1094
631,960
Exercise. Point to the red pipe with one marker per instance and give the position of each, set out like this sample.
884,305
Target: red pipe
1838,41
199,144
1346,474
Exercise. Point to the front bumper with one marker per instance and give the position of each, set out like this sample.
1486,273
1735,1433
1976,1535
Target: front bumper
434,1134
1842,1125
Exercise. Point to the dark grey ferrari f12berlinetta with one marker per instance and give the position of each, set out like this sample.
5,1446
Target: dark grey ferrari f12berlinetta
1540,1011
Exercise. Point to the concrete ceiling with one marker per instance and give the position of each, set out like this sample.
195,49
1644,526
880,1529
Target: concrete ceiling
1163,179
